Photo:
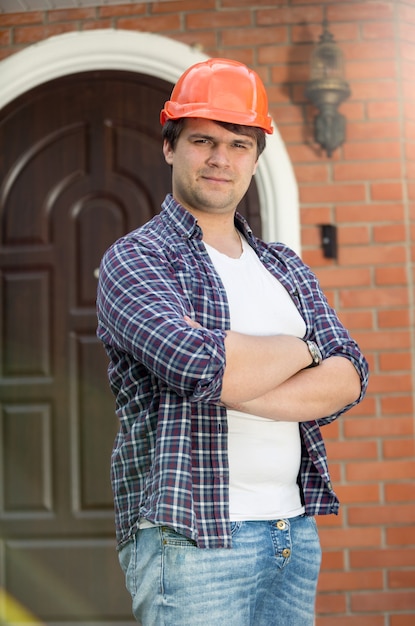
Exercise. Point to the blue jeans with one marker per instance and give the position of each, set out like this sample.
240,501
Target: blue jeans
268,578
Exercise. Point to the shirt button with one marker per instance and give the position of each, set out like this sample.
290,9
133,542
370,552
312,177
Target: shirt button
281,525
286,553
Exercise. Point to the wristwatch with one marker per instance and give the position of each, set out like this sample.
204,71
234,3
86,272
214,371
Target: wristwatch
314,352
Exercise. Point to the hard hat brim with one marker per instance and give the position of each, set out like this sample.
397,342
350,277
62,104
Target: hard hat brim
173,111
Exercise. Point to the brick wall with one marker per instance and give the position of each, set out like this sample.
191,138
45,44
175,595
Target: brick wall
368,190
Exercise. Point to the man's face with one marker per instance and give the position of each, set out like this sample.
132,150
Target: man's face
212,167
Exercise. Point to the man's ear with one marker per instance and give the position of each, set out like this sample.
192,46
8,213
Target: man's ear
168,152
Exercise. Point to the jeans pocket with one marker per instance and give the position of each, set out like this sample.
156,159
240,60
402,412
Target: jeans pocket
170,537
235,528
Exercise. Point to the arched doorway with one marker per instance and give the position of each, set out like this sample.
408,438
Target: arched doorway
164,58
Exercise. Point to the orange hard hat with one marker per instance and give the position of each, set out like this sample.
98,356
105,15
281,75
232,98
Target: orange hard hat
221,90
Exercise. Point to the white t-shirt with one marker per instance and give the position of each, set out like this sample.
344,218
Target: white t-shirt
264,455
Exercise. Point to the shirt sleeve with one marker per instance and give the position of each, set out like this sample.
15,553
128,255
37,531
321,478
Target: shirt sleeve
141,304
324,326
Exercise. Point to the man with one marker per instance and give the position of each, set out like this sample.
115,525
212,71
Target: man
225,360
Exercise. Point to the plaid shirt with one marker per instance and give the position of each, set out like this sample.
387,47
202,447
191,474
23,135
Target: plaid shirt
169,462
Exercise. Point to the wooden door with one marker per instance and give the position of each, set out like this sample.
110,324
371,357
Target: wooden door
80,165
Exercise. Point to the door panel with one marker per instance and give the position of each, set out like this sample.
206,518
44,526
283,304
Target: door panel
81,164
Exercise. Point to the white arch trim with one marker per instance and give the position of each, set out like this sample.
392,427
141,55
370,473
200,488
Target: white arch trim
167,59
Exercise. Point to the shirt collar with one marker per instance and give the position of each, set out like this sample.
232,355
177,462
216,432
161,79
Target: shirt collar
186,224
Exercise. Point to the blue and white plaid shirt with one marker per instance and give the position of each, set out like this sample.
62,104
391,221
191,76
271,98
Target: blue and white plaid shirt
169,462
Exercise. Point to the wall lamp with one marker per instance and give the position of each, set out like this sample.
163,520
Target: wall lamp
326,89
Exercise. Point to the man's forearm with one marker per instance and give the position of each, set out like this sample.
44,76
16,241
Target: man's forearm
256,364
309,394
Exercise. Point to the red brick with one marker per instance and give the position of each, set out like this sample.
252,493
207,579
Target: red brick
311,173
350,537
378,30
353,235
395,318
386,191
311,194
389,233
365,50
18,19
383,110
5,38
183,5
359,70
360,11
401,579
380,340
370,212
372,89
310,237
402,491
95,24
314,215
330,603
290,15
352,450
371,151
374,170
31,34
352,494
353,111
314,258
205,39
373,130
255,36
333,581
374,297
402,619
153,24
311,32
218,19
332,560
391,276
372,255
339,277
123,9
395,361
290,73
397,405
71,15
382,558
382,426
232,4
351,620
288,114
284,54
400,536
356,319
383,602
389,383
385,470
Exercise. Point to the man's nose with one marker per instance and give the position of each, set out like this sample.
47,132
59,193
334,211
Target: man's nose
219,156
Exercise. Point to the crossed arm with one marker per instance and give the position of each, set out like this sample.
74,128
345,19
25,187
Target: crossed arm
266,376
